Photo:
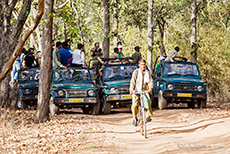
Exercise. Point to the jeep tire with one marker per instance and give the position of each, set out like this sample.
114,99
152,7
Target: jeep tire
162,102
54,109
22,104
202,104
85,110
106,106
154,101
96,109
191,104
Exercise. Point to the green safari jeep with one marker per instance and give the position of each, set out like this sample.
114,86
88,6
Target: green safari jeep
178,82
28,80
114,85
73,87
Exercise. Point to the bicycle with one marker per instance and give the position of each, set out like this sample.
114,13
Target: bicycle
141,116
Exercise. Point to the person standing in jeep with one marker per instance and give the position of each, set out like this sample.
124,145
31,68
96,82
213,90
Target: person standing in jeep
95,53
137,55
141,81
172,54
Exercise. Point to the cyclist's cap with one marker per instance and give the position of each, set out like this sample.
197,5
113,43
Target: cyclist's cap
137,47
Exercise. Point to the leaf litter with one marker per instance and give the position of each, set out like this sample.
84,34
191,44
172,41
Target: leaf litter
64,133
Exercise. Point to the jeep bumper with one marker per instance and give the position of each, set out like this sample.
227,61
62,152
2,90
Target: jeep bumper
29,98
184,95
122,97
75,101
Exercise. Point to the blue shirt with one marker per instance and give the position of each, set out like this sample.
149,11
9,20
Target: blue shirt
65,55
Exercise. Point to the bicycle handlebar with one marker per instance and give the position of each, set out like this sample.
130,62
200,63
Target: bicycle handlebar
134,92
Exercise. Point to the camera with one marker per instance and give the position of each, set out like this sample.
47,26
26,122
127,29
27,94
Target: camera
98,49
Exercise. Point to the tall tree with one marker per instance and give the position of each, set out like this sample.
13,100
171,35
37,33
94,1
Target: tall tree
150,34
115,20
193,43
10,33
106,26
45,72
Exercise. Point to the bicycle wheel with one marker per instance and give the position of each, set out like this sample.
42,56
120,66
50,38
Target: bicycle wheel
138,129
141,121
144,123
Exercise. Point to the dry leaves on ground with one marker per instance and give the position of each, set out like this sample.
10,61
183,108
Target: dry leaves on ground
62,134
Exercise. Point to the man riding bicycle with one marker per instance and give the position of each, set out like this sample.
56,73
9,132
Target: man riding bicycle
141,81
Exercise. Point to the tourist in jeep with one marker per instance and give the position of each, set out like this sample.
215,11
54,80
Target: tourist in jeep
162,58
79,56
172,54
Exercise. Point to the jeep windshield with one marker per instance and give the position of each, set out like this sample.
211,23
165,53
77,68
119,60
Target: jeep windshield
71,74
118,71
181,69
29,75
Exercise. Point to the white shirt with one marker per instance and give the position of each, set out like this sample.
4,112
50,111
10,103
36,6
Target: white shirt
78,57
171,55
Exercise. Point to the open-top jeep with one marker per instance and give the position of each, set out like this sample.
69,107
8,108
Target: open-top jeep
73,87
114,82
178,82
28,80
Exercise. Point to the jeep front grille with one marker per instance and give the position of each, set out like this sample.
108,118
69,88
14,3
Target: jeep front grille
185,87
75,93
123,89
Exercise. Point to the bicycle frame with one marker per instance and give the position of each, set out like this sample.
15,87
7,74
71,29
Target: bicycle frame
142,114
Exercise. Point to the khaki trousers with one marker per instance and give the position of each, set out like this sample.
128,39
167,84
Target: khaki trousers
136,104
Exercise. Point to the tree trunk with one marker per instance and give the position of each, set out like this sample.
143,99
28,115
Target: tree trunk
150,35
106,26
64,29
161,26
115,26
193,43
42,114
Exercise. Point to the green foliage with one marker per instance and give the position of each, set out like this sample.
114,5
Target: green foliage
213,33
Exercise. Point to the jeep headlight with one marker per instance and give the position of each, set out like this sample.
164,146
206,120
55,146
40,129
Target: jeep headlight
60,92
28,91
170,87
91,93
113,90
200,88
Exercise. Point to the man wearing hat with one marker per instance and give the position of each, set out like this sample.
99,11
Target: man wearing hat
162,58
137,55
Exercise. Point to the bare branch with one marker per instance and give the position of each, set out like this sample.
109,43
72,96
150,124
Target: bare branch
154,23
78,20
60,6
22,41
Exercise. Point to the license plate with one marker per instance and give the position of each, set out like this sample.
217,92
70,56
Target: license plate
36,96
126,96
76,100
184,95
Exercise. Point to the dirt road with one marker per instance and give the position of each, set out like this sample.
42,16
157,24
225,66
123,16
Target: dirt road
174,130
